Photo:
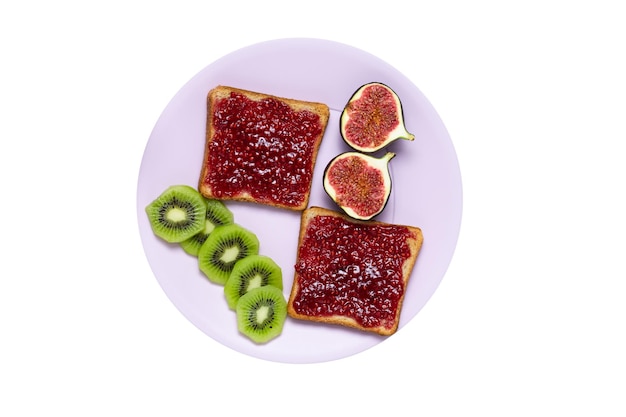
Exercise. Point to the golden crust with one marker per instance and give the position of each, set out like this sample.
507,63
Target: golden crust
414,243
218,92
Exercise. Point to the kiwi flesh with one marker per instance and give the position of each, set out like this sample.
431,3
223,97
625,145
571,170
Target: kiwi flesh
177,214
223,248
217,214
249,273
261,313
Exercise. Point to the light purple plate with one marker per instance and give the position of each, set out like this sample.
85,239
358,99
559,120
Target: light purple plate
426,189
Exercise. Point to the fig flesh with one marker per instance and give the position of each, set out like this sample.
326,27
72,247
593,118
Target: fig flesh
373,118
358,183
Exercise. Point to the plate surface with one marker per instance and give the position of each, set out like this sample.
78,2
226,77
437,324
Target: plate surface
426,190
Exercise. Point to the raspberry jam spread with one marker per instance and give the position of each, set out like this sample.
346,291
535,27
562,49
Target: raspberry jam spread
263,148
351,270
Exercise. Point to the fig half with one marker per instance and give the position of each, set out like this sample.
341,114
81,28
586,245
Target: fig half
373,118
360,184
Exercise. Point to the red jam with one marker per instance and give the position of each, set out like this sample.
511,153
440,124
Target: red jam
351,270
262,148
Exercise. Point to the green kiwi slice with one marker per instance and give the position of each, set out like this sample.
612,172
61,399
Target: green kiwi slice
223,248
261,313
217,214
177,214
249,273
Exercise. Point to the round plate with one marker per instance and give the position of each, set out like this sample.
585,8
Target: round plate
426,190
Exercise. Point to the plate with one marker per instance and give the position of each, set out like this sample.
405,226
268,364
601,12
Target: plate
426,189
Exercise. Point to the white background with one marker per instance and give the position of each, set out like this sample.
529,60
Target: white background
530,317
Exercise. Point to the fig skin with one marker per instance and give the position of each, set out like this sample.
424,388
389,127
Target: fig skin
398,132
380,164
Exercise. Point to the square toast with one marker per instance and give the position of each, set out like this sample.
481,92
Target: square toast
261,148
352,273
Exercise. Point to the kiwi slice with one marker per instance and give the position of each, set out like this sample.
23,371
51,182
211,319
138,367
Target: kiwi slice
177,214
261,313
217,214
249,273
223,248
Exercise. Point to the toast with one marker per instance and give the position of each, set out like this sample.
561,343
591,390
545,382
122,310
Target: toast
350,272
261,148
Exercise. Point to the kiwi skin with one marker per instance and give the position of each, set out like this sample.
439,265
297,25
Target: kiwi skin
223,248
184,201
251,272
261,314
217,214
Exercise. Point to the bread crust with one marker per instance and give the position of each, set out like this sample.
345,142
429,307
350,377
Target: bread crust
414,243
219,92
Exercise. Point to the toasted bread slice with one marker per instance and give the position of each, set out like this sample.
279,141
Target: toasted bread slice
261,148
352,273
